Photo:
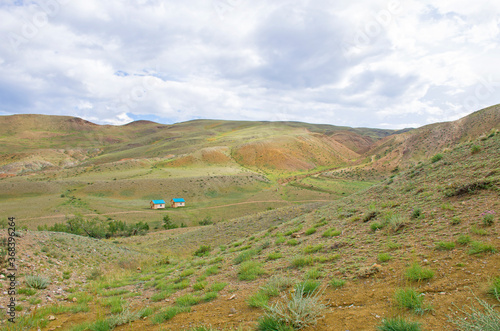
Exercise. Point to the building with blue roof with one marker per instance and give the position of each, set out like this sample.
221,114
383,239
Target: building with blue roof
176,202
157,204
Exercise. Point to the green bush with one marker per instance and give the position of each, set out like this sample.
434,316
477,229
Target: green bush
398,324
475,149
417,273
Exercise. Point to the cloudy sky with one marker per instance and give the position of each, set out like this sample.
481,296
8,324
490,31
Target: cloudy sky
385,64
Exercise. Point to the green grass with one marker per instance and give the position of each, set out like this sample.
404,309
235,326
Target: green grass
495,287
313,249
337,283
274,256
250,270
168,314
399,324
258,300
331,233
209,296
308,286
37,282
187,300
445,245
408,298
477,247
463,239
217,287
245,256
302,261
384,257
417,273
310,231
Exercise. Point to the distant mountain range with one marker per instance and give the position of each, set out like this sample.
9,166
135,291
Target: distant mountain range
30,143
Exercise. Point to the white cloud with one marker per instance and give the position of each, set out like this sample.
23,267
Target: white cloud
369,63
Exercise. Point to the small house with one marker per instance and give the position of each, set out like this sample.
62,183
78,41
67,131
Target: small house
157,204
177,203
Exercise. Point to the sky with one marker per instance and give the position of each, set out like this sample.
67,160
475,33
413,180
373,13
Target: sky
381,64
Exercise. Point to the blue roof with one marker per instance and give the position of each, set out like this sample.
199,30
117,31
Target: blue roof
158,202
178,200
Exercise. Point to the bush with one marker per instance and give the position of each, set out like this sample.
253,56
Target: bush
398,324
417,273
298,311
250,270
206,221
455,220
488,218
38,282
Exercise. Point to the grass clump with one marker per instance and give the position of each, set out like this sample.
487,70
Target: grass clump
187,300
331,233
384,257
417,273
308,286
376,226
274,256
258,300
445,245
250,270
168,313
302,261
463,239
313,249
455,220
217,287
337,283
495,288
297,311
410,299
310,231
399,324
268,323
209,296
245,256
437,157
37,282
292,242
478,247
203,250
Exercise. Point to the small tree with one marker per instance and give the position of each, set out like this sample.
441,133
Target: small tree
168,224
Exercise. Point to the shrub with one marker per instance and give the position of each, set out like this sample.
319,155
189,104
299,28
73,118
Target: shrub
206,221
417,273
396,222
445,245
250,270
204,250
38,282
478,247
298,311
436,158
455,220
398,324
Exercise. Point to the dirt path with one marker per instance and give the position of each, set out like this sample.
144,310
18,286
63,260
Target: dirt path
154,212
